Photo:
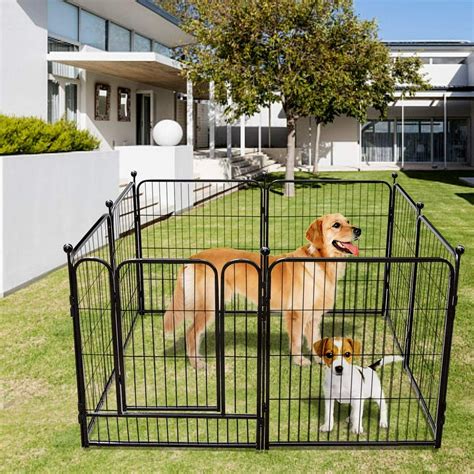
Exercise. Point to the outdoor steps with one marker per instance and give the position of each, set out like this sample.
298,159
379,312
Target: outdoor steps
250,165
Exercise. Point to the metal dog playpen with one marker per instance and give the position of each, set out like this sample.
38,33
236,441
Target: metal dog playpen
136,386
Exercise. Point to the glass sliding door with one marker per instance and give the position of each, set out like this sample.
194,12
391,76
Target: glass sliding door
423,140
417,141
377,141
458,140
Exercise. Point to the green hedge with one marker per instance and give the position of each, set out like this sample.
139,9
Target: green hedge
25,135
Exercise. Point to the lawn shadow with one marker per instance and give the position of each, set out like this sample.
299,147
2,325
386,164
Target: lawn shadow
445,176
469,197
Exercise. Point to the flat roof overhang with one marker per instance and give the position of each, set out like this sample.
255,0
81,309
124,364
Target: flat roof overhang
147,68
459,93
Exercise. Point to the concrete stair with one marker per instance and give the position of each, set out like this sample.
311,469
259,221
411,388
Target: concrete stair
251,165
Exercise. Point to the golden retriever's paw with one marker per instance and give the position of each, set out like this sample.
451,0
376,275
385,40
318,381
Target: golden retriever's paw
301,361
383,424
326,428
348,419
198,363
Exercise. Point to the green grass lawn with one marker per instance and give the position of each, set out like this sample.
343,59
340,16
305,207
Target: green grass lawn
39,429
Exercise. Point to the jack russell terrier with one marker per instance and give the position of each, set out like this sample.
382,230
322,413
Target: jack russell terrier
349,383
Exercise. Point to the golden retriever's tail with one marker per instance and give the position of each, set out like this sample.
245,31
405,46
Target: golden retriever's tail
175,312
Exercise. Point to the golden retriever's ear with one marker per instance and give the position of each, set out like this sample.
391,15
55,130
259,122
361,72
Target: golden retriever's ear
356,346
320,345
314,234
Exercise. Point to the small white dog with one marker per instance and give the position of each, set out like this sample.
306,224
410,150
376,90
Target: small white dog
349,383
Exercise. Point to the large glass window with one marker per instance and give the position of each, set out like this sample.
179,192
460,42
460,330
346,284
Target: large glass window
457,140
63,19
161,49
53,101
70,92
423,140
377,141
140,43
92,30
417,140
119,38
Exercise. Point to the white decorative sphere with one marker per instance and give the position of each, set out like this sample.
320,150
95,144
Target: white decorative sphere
167,133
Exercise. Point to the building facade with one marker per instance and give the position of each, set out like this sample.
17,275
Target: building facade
105,65
433,128
111,70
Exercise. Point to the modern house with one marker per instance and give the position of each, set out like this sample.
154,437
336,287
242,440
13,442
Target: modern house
107,65
104,64
434,128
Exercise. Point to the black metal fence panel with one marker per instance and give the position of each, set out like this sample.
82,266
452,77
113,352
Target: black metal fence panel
198,322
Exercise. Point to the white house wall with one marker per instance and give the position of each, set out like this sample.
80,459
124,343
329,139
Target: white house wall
112,132
23,66
338,144
443,74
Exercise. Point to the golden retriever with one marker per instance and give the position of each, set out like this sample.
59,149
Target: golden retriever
301,290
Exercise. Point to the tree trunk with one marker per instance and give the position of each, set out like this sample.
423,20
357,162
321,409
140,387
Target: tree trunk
316,148
290,159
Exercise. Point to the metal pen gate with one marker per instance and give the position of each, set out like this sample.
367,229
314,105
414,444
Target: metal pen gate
224,375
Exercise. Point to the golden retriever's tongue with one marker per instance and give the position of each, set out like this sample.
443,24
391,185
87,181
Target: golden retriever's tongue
353,249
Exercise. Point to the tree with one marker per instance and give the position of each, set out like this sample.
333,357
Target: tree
316,57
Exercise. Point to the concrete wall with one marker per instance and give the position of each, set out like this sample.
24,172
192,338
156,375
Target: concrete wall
446,74
112,132
45,202
156,162
160,162
338,144
23,49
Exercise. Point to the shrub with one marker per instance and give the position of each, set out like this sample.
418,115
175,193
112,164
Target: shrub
25,135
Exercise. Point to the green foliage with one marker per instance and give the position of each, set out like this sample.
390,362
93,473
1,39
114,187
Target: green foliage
315,56
31,135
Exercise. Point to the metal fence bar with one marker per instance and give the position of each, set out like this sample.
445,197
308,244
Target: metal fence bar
135,294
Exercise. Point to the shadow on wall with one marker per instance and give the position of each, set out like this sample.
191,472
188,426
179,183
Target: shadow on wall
278,137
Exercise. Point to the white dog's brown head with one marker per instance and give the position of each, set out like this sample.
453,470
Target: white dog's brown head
332,235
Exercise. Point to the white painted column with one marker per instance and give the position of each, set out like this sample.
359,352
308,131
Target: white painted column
431,143
242,135
270,126
403,133
359,130
229,129
229,140
260,131
310,140
445,130
189,114
212,122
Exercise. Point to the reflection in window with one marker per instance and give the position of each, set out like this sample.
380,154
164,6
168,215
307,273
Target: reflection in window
457,140
119,38
140,43
423,140
63,19
70,91
161,49
53,101
92,31
377,141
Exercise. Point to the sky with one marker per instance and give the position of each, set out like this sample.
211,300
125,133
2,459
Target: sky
420,19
